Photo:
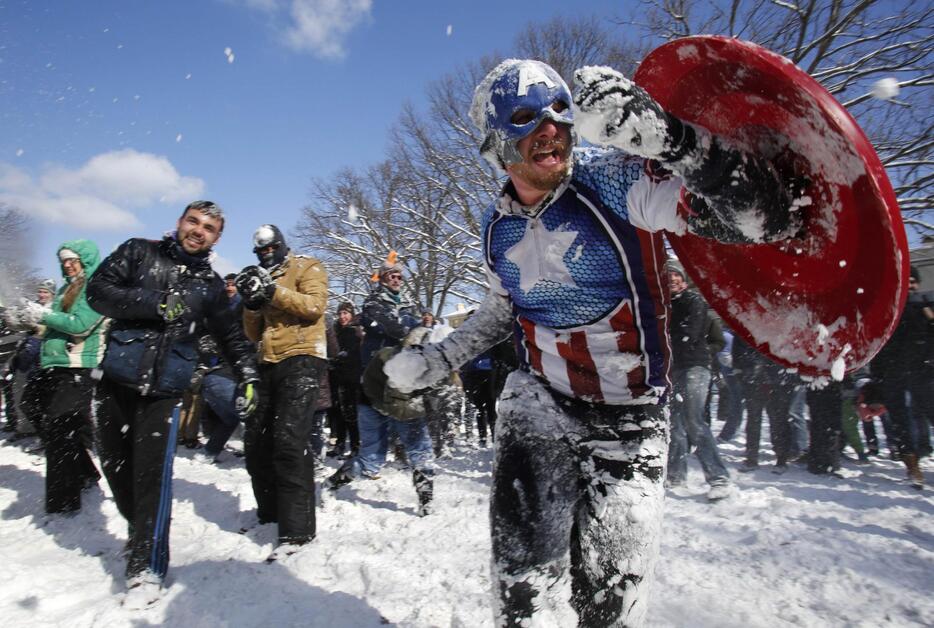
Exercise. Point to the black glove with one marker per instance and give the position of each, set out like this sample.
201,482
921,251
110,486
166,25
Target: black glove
246,399
255,286
613,110
173,308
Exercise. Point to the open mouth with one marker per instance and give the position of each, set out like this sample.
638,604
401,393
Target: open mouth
549,154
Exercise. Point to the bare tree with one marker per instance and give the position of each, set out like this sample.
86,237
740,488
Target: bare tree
566,45
847,45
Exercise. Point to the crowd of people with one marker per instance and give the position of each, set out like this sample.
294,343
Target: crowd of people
814,423
571,363
171,354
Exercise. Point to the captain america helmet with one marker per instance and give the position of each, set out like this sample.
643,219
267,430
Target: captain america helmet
510,103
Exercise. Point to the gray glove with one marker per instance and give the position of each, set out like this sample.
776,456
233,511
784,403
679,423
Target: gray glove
611,109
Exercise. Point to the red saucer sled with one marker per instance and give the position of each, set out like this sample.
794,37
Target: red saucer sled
822,303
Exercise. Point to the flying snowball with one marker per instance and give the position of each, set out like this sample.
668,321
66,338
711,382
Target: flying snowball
885,89
450,29
228,51
178,138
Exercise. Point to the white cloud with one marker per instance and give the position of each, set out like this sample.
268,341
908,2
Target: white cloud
320,26
316,26
102,193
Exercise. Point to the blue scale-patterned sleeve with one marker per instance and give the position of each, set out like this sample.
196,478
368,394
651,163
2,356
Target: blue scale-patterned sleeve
624,185
610,173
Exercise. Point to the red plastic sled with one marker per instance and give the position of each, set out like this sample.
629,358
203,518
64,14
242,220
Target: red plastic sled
828,301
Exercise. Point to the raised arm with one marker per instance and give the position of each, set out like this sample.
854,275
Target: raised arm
736,196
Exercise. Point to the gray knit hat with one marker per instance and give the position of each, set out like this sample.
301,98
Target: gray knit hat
674,266
47,285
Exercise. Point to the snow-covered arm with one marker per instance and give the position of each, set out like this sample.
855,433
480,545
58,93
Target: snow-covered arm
735,196
422,367
489,325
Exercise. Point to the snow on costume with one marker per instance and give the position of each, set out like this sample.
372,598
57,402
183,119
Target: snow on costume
580,279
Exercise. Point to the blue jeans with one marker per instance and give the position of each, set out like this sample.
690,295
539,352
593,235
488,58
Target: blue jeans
690,388
374,440
730,410
219,393
798,422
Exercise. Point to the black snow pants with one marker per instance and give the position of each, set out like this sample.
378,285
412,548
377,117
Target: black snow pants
278,458
576,508
826,428
773,397
34,402
344,398
137,436
66,411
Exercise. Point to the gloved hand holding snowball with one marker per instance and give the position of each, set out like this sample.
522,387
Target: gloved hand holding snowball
416,368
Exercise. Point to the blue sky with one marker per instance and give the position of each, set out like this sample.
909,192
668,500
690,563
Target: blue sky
116,113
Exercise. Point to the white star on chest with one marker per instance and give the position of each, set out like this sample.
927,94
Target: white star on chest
540,255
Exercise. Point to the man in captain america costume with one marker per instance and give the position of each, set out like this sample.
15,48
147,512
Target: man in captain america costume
576,265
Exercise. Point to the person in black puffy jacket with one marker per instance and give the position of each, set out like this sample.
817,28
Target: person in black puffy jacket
159,295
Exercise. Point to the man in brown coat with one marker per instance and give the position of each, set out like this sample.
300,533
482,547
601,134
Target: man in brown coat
284,300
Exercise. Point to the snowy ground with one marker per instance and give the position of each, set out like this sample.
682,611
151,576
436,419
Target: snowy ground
791,550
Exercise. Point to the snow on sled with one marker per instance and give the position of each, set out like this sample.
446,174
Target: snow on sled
824,302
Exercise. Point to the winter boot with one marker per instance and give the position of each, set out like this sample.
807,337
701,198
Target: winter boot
142,591
341,477
914,471
424,487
